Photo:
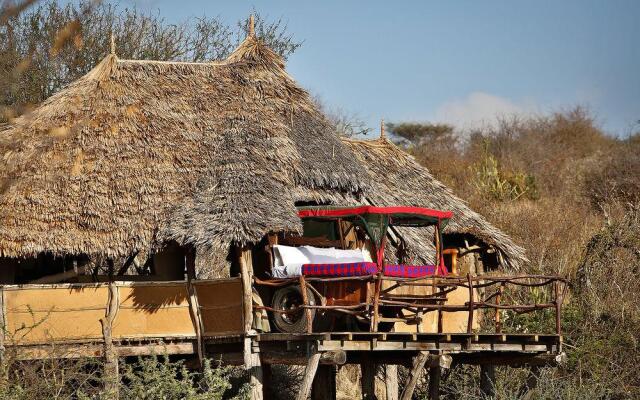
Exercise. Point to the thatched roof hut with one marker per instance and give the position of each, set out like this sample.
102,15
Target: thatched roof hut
397,178
138,153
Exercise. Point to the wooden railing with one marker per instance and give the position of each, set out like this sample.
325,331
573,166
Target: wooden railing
485,292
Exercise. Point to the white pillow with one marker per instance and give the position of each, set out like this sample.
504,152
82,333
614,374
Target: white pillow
289,255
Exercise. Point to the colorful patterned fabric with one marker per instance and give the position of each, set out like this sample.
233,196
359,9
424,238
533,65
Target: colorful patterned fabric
410,271
343,269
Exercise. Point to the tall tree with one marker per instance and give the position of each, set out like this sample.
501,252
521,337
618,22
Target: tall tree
49,45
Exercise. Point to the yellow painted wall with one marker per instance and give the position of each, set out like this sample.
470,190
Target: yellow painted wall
68,312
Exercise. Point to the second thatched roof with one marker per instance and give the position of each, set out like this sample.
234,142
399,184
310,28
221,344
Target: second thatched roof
397,178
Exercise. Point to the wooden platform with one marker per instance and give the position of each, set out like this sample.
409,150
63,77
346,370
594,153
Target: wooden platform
280,348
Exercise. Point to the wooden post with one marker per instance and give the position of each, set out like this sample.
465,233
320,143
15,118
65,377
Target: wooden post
470,320
309,375
253,364
246,274
558,303
391,373
376,302
194,305
267,374
256,382
324,384
111,373
305,301
414,374
3,327
435,373
488,380
368,382
498,322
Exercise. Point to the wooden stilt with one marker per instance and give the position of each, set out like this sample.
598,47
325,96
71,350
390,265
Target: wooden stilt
309,375
391,373
368,382
414,374
267,374
435,373
324,384
488,380
256,382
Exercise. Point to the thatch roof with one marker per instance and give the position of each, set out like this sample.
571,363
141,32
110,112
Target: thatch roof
109,164
397,178
136,153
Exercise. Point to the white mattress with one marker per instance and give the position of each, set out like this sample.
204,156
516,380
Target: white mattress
289,260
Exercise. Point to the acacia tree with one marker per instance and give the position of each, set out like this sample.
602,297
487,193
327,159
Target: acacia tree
45,47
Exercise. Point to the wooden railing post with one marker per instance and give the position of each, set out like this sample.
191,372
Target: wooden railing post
305,301
498,322
471,300
557,303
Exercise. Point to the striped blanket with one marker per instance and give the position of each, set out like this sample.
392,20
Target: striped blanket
342,269
368,268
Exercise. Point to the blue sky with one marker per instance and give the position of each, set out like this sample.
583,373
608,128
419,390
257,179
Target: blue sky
461,62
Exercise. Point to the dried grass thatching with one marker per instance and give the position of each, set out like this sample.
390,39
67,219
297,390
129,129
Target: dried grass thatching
136,153
110,164
398,179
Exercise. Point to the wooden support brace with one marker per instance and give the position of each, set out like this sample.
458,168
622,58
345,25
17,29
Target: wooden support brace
309,375
414,374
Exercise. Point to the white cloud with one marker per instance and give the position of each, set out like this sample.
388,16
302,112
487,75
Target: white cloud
479,109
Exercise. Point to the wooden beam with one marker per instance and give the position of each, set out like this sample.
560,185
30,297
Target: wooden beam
309,375
368,382
391,383
414,374
332,357
62,276
324,384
